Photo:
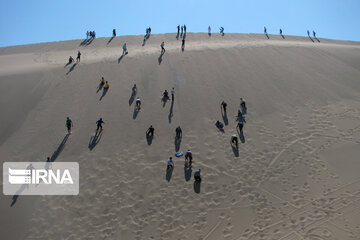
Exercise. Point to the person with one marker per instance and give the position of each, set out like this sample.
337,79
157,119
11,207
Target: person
94,34
134,89
138,103
172,94
280,31
222,31
242,103
240,124
71,59
150,131
308,32
224,105
178,132
78,56
99,124
170,164
265,31
102,81
314,33
87,35
69,124
125,49
48,159
184,28
209,31
234,139
114,32
183,44
165,94
197,175
240,116
219,125
106,87
178,31
162,47
188,155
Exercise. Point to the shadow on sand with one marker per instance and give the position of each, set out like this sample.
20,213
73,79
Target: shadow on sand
99,87
86,42
120,58
164,100
177,143
95,139
187,173
110,40
160,58
171,111
197,185
132,97
224,117
235,150
72,68
149,139
105,90
136,112
168,173
59,149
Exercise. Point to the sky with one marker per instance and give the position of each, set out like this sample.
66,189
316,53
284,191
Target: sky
26,21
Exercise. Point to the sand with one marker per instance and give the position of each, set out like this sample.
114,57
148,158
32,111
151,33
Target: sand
294,176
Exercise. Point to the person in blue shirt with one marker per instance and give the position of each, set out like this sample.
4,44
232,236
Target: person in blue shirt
170,164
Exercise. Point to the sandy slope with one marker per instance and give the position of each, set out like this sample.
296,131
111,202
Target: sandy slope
294,177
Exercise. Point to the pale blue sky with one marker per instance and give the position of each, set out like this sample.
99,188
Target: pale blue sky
33,21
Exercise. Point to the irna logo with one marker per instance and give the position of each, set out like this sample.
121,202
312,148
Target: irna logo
41,178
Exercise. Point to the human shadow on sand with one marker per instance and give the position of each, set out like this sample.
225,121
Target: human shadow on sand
136,112
149,139
110,40
105,90
197,186
120,58
21,189
132,97
267,36
94,140
168,173
164,100
18,192
241,136
72,68
311,39
187,173
160,58
171,111
86,42
317,39
224,117
177,143
235,150
101,85
59,149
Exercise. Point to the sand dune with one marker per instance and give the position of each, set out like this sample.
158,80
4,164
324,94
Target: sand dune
294,176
